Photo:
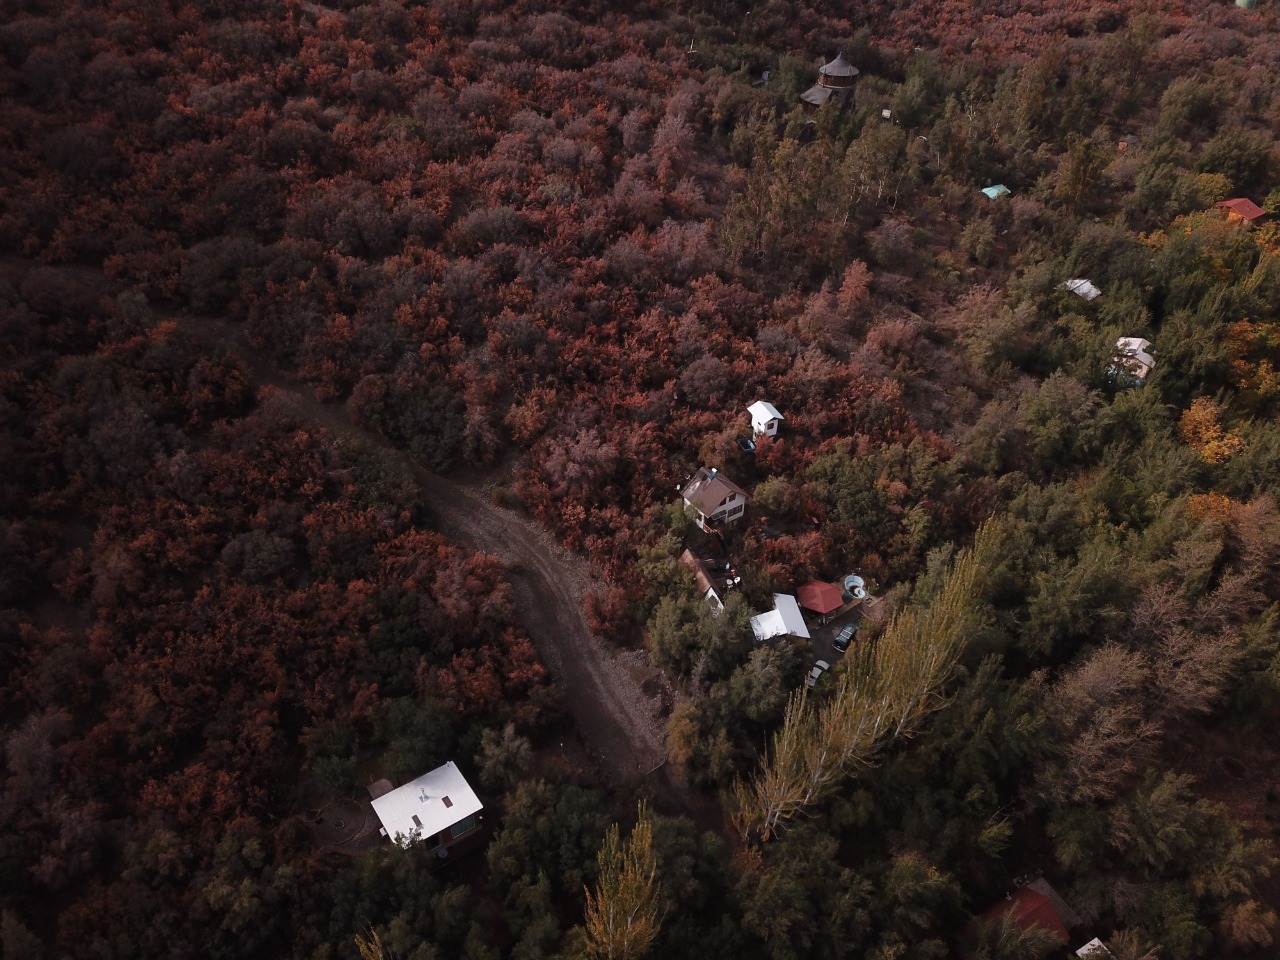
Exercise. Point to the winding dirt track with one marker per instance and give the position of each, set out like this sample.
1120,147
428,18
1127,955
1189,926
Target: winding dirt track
613,714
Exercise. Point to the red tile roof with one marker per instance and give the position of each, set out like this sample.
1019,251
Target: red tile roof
1029,909
1243,207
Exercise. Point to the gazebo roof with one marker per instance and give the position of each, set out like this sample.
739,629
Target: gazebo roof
839,67
820,597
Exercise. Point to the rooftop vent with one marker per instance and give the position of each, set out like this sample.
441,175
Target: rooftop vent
448,802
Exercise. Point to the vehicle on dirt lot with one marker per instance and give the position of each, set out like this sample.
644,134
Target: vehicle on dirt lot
845,637
817,670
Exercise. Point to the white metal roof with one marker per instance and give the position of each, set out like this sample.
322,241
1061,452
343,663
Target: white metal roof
1136,348
1083,288
1132,344
1095,949
784,618
423,807
762,411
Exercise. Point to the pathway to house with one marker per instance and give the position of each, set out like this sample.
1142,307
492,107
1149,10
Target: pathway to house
617,719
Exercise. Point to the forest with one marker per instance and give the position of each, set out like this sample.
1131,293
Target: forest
275,275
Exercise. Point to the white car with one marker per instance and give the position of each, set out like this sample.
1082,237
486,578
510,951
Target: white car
817,670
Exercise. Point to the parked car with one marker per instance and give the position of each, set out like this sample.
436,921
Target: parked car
817,670
746,445
845,637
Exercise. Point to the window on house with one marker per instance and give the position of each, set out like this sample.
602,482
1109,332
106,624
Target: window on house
463,826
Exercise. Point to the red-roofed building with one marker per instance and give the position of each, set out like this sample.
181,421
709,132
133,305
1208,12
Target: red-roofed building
1242,210
821,598
1029,908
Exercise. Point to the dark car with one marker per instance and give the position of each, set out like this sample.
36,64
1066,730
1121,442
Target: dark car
746,445
845,637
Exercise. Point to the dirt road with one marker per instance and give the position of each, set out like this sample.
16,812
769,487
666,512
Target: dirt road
611,711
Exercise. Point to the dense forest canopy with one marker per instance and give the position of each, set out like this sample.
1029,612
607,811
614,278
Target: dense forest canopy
269,268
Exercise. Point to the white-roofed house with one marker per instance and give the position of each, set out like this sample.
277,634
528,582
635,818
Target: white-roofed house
785,619
765,418
438,809
1131,362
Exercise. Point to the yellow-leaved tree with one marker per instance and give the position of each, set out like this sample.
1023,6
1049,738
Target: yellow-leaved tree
885,692
623,914
1200,427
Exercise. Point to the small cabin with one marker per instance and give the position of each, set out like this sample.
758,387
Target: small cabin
996,191
1131,362
1242,210
835,82
765,419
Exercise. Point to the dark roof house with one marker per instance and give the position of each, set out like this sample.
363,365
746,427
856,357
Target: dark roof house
716,499
713,575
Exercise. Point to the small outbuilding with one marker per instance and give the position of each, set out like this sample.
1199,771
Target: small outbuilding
996,191
765,418
437,809
1242,210
835,82
783,620
1083,289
